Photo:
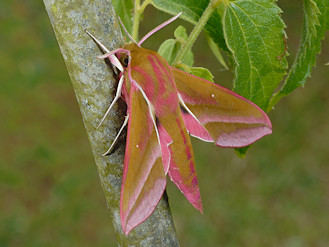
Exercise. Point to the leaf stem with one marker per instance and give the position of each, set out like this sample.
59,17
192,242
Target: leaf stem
139,9
136,19
196,31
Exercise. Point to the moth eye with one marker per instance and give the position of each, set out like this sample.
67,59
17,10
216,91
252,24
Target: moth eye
125,61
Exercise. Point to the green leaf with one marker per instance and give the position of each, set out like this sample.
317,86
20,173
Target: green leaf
311,12
202,73
180,34
241,152
124,10
169,48
215,50
316,22
192,11
254,33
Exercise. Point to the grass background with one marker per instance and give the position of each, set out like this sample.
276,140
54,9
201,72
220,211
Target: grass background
50,191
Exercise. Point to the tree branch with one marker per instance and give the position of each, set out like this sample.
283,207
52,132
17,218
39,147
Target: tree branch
94,86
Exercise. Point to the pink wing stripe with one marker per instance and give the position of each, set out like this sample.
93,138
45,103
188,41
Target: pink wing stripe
239,138
193,196
195,128
187,185
211,118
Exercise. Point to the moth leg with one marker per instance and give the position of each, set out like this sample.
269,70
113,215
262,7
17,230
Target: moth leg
118,135
117,96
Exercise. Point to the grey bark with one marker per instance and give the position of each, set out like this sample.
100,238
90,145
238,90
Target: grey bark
94,86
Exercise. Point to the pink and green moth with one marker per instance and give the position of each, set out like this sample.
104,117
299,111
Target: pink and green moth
164,107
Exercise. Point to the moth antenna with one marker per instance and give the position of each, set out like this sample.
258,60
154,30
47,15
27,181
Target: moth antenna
118,135
126,31
117,96
104,49
158,28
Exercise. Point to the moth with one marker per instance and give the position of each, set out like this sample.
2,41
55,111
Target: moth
164,107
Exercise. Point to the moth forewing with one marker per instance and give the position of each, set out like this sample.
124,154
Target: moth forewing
144,180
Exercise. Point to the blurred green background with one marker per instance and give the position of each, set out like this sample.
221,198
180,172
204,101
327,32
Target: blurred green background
50,194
